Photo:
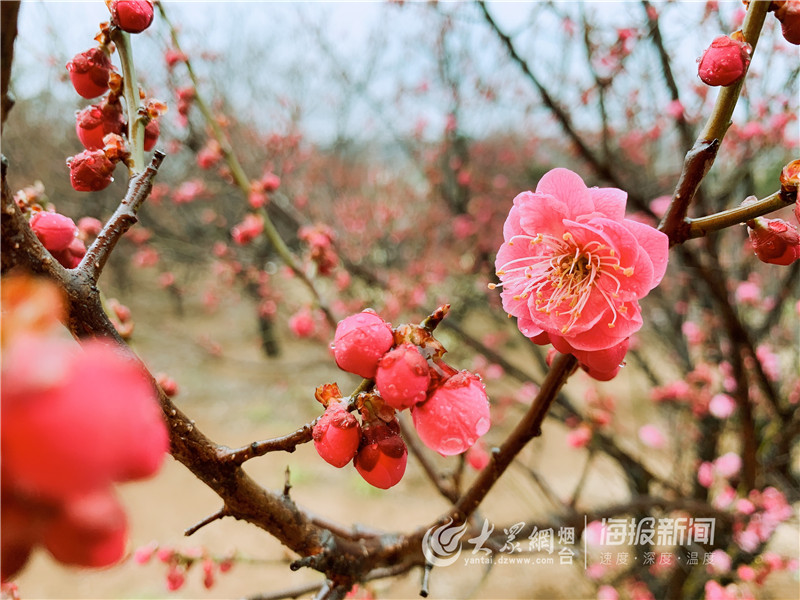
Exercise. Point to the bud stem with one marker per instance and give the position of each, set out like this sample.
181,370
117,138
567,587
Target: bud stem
132,103
727,218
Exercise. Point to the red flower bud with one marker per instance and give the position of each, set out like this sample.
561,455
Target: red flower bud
55,231
790,176
270,182
788,13
249,229
724,62
89,72
133,16
90,171
382,456
71,256
337,435
360,341
774,240
94,122
90,532
402,377
454,416
151,131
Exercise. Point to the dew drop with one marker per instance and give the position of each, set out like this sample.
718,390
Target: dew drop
451,446
482,426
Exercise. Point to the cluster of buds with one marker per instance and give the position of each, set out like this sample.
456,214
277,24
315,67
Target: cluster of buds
261,188
449,408
320,240
101,127
179,563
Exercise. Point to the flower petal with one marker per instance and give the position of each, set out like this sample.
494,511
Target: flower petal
609,201
569,188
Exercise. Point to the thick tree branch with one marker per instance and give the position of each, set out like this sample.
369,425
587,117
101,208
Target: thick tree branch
8,15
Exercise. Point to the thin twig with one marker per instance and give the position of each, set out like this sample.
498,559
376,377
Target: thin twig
222,512
243,182
122,220
284,443
561,115
434,476
122,40
701,226
528,428
293,592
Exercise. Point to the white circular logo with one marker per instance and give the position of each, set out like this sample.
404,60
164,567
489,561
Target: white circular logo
442,545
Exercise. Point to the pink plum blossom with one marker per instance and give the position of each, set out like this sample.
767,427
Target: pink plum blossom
728,465
249,229
573,268
478,457
652,436
705,474
725,497
714,591
719,561
580,436
721,406
606,592
302,323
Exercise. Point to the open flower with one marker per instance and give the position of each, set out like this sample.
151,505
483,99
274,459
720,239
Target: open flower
573,268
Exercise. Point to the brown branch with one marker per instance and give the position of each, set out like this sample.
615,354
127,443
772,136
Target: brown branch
222,512
697,163
121,221
701,156
418,451
8,15
528,428
293,592
602,168
666,67
701,226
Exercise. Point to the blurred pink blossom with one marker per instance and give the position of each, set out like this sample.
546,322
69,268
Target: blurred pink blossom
722,406
652,436
728,465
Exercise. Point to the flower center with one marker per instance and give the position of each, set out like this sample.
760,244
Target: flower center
563,275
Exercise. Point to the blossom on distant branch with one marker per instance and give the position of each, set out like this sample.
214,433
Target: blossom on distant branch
573,268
